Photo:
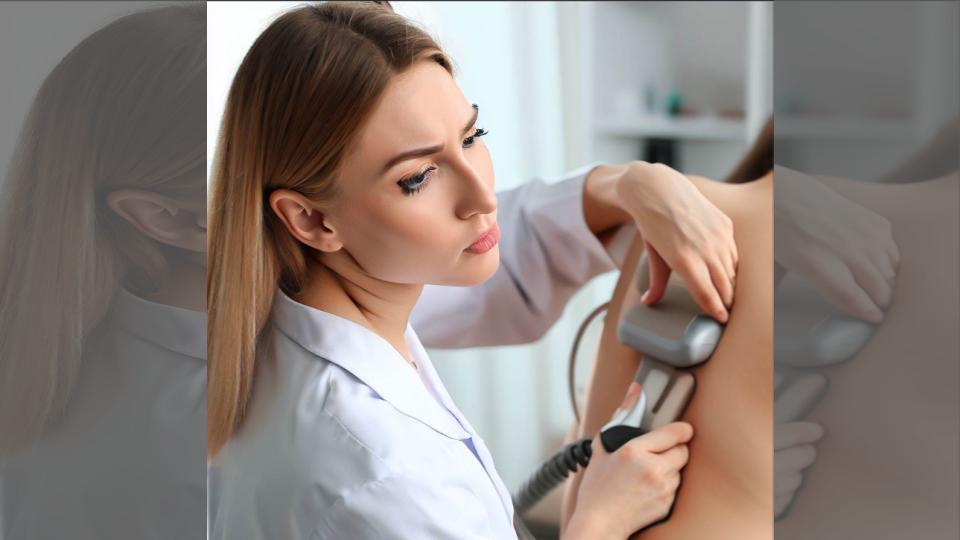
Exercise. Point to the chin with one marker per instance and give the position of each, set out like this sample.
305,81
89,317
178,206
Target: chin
478,269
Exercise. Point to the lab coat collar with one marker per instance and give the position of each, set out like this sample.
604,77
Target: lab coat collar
177,329
370,358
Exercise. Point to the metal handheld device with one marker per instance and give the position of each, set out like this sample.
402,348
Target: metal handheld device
673,335
808,332
809,335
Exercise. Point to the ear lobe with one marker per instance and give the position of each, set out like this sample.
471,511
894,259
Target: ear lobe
160,218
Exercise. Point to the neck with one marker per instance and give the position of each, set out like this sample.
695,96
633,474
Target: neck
339,286
184,283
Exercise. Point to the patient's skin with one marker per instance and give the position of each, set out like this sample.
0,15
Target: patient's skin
726,491
887,466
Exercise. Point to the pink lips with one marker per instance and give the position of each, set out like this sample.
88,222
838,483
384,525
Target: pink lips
486,241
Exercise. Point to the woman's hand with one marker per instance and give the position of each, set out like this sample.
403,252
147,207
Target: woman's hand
631,488
845,250
684,232
793,452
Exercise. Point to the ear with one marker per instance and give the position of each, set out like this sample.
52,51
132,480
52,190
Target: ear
304,221
163,219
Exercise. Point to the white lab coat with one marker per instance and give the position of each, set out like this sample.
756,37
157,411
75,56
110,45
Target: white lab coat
128,459
344,439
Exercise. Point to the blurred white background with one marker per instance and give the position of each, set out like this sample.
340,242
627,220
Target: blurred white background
862,86
561,85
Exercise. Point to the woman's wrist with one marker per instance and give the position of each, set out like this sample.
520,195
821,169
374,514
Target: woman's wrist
602,209
583,526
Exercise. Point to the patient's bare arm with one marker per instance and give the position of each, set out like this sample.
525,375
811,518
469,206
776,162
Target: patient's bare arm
727,485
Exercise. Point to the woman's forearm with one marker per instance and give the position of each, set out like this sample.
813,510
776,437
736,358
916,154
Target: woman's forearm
601,208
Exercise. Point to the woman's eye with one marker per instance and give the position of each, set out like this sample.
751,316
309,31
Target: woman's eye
468,142
413,184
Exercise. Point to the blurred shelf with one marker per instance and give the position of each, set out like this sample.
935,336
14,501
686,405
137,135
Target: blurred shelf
666,127
841,127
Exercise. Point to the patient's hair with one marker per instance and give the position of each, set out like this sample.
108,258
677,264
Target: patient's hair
758,161
296,104
119,111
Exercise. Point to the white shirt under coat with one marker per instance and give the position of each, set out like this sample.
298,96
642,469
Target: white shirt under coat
127,460
344,439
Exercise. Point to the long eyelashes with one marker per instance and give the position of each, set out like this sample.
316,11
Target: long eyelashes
413,184
468,142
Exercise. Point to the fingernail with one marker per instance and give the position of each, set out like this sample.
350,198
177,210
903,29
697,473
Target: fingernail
645,296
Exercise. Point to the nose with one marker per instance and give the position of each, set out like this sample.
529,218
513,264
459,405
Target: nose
476,193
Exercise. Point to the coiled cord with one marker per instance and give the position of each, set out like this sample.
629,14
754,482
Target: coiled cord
571,457
553,472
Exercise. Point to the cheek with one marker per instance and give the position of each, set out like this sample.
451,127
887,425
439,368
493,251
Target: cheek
418,238
406,240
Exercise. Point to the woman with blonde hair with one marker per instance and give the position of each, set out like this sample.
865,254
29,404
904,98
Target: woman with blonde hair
102,267
353,202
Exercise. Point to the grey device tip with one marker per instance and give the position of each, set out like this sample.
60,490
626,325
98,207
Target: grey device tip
675,331
808,331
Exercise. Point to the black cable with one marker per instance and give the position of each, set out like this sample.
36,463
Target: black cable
553,471
569,459
572,361
556,469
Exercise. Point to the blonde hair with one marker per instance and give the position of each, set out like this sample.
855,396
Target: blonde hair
298,100
119,111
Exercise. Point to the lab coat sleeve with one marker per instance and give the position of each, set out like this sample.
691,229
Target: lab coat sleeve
401,507
547,253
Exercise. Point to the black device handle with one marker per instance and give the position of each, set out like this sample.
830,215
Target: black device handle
617,436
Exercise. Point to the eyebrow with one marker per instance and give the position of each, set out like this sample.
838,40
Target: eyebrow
419,152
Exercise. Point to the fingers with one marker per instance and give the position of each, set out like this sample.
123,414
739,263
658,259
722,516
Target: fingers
664,438
781,503
710,286
875,268
894,253
730,256
787,483
794,459
704,292
735,254
886,260
723,282
796,434
599,452
729,260
891,250
676,457
659,274
793,453
793,398
871,278
835,279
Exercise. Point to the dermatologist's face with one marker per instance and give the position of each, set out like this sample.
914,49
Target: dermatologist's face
418,202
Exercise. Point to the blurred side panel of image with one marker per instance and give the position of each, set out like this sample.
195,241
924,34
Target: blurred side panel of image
867,299
102,280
